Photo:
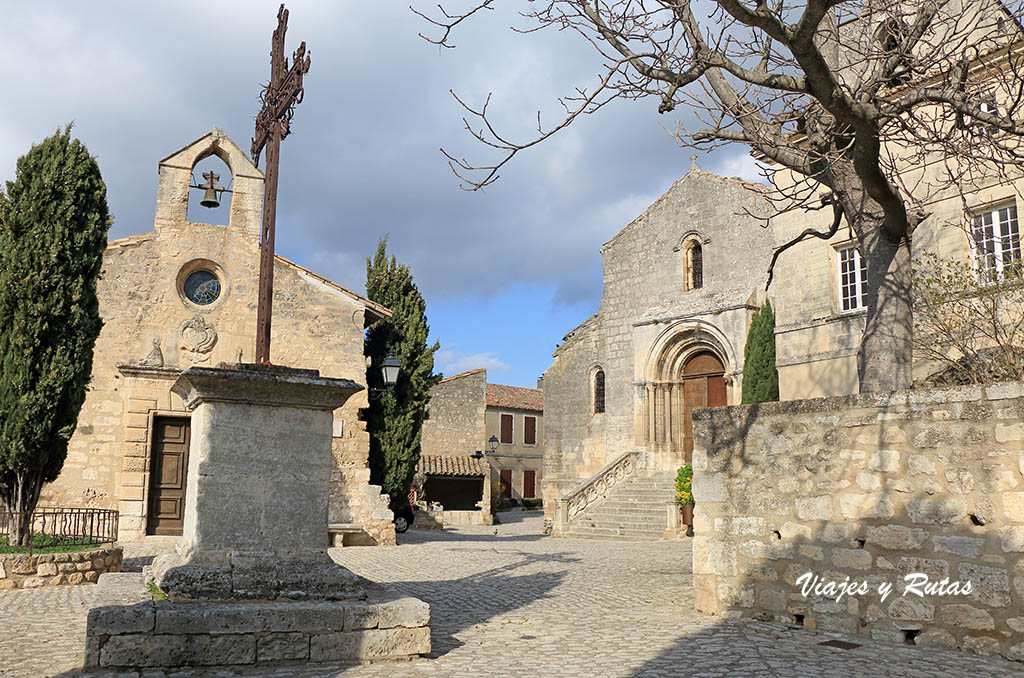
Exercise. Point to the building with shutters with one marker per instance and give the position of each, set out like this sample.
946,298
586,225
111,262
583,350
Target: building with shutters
466,412
184,294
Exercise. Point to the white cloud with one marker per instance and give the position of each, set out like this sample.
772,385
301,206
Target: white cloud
742,165
452,362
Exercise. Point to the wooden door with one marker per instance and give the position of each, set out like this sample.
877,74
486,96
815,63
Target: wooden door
168,473
703,386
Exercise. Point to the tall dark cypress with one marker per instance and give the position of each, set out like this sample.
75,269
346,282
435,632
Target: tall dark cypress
760,376
395,419
53,231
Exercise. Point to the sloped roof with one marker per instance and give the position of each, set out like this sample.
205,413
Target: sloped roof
515,397
373,307
450,465
460,375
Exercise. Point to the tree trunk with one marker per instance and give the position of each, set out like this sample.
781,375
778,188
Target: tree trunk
20,498
884,362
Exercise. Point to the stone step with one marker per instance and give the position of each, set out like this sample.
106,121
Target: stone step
625,535
622,526
633,502
601,509
625,518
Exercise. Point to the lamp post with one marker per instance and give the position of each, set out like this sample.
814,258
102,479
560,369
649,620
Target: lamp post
389,369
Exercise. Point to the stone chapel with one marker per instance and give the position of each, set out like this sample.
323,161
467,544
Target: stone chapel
184,294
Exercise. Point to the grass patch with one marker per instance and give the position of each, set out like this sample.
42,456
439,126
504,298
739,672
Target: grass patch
45,543
155,591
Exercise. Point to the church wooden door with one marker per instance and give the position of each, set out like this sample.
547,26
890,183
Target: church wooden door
703,386
168,473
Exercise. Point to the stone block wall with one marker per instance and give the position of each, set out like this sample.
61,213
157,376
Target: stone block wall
32,570
455,421
127,629
872,489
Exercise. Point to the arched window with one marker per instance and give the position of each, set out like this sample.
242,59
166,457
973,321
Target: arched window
693,264
599,392
696,266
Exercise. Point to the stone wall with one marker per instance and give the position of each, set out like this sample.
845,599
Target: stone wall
868,488
455,415
32,570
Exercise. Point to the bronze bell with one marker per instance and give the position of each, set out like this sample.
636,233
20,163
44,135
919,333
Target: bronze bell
210,199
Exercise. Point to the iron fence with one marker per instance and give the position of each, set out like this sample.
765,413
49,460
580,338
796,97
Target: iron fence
71,526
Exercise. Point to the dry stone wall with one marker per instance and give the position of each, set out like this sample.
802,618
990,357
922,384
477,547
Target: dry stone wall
872,491
32,570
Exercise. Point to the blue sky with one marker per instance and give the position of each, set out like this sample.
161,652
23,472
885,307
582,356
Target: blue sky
506,272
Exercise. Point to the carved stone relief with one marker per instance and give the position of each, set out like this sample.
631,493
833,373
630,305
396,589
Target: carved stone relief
198,338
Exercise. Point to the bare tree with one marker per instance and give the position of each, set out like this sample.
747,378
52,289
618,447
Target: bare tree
839,97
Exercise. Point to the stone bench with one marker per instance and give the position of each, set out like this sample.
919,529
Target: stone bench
348,534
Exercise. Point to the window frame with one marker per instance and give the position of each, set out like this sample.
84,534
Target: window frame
859,274
599,372
512,428
525,429
984,273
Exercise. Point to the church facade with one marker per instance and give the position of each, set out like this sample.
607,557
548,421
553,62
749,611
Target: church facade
185,294
681,285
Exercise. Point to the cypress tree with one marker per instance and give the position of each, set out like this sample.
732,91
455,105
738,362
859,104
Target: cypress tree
395,418
53,231
760,376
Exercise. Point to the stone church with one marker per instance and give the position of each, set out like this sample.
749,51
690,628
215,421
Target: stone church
184,294
681,285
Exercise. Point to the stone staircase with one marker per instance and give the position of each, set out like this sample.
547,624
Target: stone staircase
634,510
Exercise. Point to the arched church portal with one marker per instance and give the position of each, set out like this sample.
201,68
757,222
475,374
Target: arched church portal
688,375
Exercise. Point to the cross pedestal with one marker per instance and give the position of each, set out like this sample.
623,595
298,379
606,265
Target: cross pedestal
251,581
258,486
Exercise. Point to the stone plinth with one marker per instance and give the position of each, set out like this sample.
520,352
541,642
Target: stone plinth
258,486
127,629
250,581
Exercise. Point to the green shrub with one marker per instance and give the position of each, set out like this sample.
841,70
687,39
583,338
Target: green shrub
684,483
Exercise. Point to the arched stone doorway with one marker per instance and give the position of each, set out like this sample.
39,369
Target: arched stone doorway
690,372
703,383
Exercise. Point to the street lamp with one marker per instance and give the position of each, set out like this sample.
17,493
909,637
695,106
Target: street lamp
389,370
493,443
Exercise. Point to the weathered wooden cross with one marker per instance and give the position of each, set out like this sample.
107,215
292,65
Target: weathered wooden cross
273,123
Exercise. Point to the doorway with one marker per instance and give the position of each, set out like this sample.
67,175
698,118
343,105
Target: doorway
168,475
703,386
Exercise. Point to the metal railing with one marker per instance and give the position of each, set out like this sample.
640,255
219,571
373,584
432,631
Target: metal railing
62,526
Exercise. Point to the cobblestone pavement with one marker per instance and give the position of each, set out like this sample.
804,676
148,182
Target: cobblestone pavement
515,604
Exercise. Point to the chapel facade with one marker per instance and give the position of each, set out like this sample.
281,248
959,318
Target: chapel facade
185,294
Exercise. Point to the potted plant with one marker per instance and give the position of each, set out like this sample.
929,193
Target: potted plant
684,493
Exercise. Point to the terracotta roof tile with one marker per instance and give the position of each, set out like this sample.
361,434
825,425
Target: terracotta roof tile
515,397
450,465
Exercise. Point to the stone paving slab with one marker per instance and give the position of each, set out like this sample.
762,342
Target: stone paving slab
517,603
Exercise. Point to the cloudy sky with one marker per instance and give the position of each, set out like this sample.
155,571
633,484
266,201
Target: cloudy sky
506,272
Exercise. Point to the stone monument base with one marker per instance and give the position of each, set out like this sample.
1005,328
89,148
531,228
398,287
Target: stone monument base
127,629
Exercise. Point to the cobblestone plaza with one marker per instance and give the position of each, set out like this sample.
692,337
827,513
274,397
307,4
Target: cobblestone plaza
508,601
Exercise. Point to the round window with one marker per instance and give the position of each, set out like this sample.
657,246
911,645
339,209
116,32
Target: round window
202,287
